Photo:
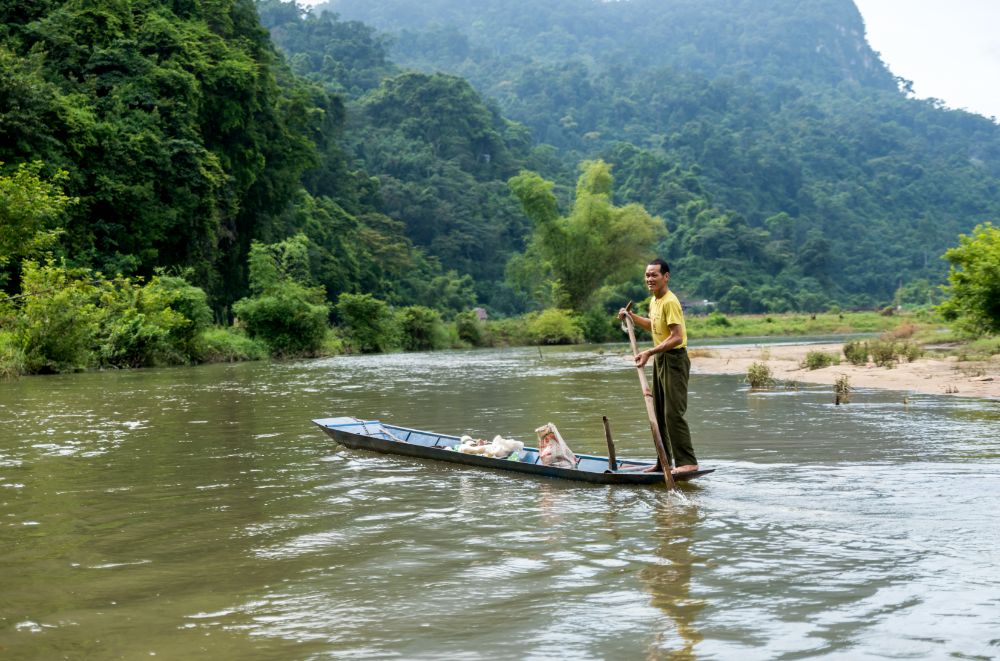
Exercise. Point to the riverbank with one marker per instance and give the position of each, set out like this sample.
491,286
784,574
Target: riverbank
931,374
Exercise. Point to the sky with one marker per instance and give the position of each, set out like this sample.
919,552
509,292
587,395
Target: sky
950,49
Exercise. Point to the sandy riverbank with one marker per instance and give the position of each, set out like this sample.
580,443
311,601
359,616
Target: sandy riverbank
938,376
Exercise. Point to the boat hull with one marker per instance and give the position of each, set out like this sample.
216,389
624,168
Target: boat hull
376,436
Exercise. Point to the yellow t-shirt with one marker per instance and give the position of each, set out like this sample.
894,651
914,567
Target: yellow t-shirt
663,312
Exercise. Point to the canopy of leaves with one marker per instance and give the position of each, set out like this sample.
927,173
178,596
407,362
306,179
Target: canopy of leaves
974,281
791,169
790,165
287,311
595,243
31,215
179,140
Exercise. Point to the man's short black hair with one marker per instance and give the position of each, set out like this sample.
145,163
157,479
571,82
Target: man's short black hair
664,267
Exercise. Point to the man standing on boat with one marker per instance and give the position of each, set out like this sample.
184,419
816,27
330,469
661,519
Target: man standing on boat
671,365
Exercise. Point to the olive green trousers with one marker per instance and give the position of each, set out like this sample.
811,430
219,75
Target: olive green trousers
671,371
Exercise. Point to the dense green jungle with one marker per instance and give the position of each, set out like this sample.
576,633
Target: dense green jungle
170,164
790,165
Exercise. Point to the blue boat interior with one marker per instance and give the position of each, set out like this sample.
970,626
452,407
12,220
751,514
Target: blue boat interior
377,429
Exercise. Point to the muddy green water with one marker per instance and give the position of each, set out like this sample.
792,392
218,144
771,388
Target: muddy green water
197,513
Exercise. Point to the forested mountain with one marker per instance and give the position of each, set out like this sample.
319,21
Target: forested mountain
169,118
441,153
180,136
789,164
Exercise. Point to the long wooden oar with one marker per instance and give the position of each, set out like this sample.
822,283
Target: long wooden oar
647,395
612,459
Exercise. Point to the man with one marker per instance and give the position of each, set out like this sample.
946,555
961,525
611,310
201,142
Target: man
671,365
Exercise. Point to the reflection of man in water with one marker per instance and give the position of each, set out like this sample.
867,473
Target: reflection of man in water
669,582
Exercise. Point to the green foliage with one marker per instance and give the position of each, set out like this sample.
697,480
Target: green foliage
597,242
790,176
470,329
917,295
450,292
759,376
189,301
333,344
856,352
815,360
226,345
138,328
442,155
70,319
421,329
979,349
153,324
554,326
286,313
367,323
285,319
271,266
343,56
974,281
909,350
58,325
12,362
721,321
792,169
884,353
31,214
599,325
789,324
447,114
182,135
512,331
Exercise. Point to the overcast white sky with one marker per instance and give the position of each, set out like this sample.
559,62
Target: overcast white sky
950,49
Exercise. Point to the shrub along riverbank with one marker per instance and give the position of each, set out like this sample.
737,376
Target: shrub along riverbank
68,320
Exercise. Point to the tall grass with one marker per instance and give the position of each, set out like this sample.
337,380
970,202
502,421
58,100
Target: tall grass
12,363
759,376
815,360
716,325
225,345
856,352
842,389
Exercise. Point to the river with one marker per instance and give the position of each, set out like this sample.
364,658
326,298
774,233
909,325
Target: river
197,513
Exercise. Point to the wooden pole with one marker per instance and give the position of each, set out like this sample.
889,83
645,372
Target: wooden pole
612,459
647,395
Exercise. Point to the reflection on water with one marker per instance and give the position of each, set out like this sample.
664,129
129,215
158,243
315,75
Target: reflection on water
669,580
196,512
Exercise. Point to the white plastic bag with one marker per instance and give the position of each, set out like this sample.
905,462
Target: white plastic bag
552,449
499,448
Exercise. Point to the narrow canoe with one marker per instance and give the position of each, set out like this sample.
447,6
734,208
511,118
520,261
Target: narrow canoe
391,439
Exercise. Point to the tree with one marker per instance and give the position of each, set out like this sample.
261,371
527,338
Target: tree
368,324
287,311
31,213
59,322
596,242
974,281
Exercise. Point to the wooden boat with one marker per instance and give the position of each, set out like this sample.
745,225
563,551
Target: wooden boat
391,439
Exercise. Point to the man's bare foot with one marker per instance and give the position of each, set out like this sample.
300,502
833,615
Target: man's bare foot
687,468
655,468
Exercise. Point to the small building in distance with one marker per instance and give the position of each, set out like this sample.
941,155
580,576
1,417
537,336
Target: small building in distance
698,307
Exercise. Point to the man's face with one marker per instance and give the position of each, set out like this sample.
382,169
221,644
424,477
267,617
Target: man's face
656,281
